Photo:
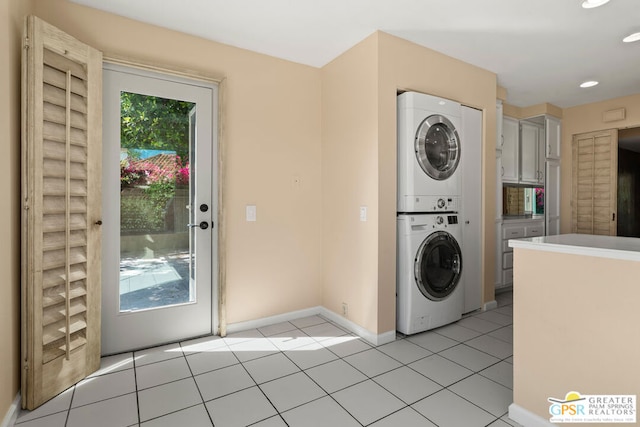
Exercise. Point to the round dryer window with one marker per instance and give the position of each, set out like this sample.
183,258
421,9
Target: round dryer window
438,265
437,147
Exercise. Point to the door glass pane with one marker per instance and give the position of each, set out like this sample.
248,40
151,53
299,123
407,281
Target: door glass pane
156,142
438,268
438,148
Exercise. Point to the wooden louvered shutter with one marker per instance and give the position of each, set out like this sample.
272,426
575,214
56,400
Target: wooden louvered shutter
61,172
594,183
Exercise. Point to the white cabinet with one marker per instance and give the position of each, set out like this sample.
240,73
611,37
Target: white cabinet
529,153
515,229
553,135
552,197
498,216
524,149
510,150
471,163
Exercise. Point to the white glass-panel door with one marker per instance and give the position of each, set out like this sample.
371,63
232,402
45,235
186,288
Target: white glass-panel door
159,194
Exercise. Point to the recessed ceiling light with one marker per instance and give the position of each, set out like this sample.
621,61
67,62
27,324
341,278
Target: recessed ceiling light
588,4
590,83
631,38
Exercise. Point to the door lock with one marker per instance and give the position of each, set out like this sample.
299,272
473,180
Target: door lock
203,225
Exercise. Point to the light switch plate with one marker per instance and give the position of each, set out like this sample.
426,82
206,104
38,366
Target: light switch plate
251,213
363,213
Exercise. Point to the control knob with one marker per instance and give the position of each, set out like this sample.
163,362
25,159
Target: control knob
441,203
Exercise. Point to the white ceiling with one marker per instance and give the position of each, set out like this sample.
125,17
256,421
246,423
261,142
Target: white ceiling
541,50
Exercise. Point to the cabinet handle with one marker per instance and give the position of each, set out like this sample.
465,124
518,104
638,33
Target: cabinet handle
549,150
613,216
502,173
502,143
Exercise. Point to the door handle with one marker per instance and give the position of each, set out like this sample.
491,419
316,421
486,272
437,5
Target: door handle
203,225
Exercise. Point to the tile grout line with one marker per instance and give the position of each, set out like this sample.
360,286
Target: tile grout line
339,357
196,384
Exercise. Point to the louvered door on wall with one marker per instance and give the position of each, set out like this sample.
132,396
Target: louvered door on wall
594,183
61,172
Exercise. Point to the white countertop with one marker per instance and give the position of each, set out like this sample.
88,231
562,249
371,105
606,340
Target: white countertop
625,248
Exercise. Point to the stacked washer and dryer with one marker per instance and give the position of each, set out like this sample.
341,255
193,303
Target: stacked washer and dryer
430,266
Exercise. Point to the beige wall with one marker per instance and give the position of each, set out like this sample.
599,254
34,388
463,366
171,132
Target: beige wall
575,327
359,166
407,66
350,180
272,133
12,14
588,118
532,111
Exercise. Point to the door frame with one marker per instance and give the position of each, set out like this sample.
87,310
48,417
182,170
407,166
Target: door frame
218,278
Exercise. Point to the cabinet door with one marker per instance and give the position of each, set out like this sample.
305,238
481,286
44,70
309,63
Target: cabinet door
471,164
529,172
541,155
510,150
552,197
553,138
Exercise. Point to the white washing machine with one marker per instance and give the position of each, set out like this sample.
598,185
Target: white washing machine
429,179
430,289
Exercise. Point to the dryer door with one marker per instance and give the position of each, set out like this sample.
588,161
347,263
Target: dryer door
437,147
438,265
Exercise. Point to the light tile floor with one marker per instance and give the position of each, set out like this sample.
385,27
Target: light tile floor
303,373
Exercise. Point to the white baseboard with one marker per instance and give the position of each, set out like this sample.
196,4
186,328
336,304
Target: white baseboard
528,419
278,318
12,414
345,323
490,305
363,333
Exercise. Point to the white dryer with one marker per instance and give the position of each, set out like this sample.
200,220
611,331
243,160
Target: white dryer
429,287
429,179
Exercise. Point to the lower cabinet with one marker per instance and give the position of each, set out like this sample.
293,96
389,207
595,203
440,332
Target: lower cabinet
514,229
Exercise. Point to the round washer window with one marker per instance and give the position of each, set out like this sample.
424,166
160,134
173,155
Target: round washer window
437,147
438,265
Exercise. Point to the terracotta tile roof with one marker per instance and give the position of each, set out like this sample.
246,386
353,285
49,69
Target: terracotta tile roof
165,162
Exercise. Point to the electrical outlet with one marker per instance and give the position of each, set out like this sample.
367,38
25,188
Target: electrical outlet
345,309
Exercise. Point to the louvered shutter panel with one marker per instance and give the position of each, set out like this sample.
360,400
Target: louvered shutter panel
61,173
595,171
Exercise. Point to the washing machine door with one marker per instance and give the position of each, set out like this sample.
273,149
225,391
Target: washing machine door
438,265
437,147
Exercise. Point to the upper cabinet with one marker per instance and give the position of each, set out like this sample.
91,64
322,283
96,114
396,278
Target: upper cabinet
510,150
553,137
531,153
526,145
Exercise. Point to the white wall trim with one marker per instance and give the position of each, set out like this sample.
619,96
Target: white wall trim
12,413
278,318
363,333
490,305
528,419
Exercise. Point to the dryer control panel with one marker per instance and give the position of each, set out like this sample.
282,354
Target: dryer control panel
438,203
